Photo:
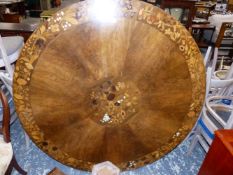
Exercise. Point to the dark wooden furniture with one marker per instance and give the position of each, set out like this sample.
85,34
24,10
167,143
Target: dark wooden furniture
230,5
219,159
198,32
15,6
221,35
93,90
12,18
188,7
203,9
12,29
5,131
224,42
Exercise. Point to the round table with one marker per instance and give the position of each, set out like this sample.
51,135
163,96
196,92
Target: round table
109,80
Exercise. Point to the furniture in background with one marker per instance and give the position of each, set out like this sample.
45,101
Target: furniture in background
13,21
208,56
217,113
203,9
17,6
12,11
7,158
48,13
217,20
11,18
225,32
182,10
10,103
10,48
198,32
21,29
224,42
222,38
201,23
36,7
13,46
219,159
230,5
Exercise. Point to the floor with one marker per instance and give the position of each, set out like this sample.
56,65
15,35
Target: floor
35,162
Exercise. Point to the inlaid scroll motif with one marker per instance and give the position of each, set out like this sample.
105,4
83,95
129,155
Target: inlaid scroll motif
146,14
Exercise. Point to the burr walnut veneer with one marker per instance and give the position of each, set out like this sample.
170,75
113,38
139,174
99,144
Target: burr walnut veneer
125,88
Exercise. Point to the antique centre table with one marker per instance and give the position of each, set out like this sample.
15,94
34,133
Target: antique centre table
116,80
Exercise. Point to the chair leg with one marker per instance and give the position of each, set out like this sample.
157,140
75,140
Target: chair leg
26,137
9,169
192,144
17,167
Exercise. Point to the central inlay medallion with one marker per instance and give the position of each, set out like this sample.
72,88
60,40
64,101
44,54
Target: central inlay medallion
114,102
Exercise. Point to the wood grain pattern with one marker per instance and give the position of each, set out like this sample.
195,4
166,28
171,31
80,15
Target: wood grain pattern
127,92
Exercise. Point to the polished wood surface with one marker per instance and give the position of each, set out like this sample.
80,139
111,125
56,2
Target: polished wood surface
219,159
127,90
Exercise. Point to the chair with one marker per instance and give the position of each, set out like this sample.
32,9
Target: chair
209,120
201,24
13,46
10,48
217,114
225,32
9,55
208,56
10,102
216,85
7,158
221,22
